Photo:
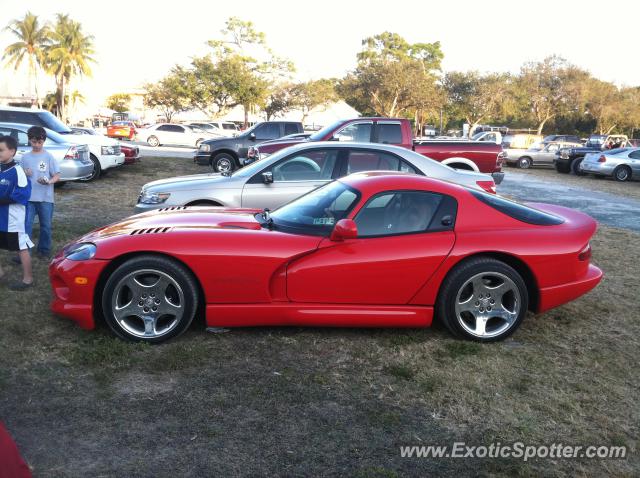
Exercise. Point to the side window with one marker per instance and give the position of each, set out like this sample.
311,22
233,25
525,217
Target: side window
407,168
290,128
361,160
389,133
358,132
392,213
267,131
164,127
306,166
552,148
19,136
635,154
176,128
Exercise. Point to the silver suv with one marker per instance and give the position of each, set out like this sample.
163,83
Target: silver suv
294,171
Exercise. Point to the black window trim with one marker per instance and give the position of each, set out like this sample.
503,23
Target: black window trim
448,206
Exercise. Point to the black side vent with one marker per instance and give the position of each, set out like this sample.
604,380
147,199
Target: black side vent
173,208
151,230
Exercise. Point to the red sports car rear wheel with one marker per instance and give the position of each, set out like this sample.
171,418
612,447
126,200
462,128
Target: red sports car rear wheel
483,300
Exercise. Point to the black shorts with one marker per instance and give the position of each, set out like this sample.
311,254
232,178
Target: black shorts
10,241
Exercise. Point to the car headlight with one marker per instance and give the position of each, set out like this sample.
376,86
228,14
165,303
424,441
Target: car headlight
149,197
108,150
82,251
205,148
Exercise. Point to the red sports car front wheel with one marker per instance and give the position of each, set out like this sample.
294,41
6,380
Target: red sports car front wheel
149,299
483,299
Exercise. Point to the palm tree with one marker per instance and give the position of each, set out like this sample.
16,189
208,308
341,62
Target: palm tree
68,55
32,40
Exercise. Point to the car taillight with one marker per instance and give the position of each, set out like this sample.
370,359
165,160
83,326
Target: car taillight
488,186
602,159
72,153
585,253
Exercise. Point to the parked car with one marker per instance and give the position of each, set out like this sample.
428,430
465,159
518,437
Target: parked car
542,154
73,159
225,155
211,128
622,164
173,134
122,130
482,156
520,140
568,159
104,152
131,153
294,171
562,138
375,249
80,130
227,128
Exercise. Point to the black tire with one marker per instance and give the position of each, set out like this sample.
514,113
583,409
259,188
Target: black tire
456,284
525,162
622,173
150,272
562,168
97,169
575,167
153,141
223,162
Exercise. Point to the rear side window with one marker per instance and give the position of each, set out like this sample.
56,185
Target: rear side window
389,133
518,211
290,128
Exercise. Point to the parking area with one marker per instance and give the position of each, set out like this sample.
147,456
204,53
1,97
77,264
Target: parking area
297,402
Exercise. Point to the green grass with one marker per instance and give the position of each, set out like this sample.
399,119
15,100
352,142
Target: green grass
313,402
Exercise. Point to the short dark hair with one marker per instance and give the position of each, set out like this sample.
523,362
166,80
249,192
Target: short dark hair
36,132
10,142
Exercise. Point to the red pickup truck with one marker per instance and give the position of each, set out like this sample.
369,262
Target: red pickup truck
485,157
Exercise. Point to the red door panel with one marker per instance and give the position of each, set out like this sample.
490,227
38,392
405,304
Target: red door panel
382,270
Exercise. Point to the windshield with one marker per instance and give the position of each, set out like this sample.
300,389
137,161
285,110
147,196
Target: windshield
317,212
317,136
54,123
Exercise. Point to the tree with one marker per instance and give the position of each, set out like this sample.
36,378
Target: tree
119,102
32,40
279,100
169,95
240,70
313,94
553,87
390,75
477,98
68,55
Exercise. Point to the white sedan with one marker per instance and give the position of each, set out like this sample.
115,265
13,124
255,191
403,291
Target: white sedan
173,134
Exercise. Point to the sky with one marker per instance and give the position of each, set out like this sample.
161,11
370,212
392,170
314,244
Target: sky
139,41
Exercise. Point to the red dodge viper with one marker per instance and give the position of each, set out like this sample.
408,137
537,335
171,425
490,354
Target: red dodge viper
369,250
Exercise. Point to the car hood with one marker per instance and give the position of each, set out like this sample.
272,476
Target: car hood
91,139
193,181
165,220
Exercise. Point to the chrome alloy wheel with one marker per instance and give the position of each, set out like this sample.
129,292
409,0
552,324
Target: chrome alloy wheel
148,303
487,304
224,165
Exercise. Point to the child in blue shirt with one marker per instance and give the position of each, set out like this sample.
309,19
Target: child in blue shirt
15,190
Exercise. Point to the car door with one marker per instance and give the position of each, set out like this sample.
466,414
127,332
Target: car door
401,242
165,133
547,154
634,163
360,159
293,176
359,132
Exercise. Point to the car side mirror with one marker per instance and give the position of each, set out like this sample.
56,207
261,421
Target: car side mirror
267,177
252,136
344,229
